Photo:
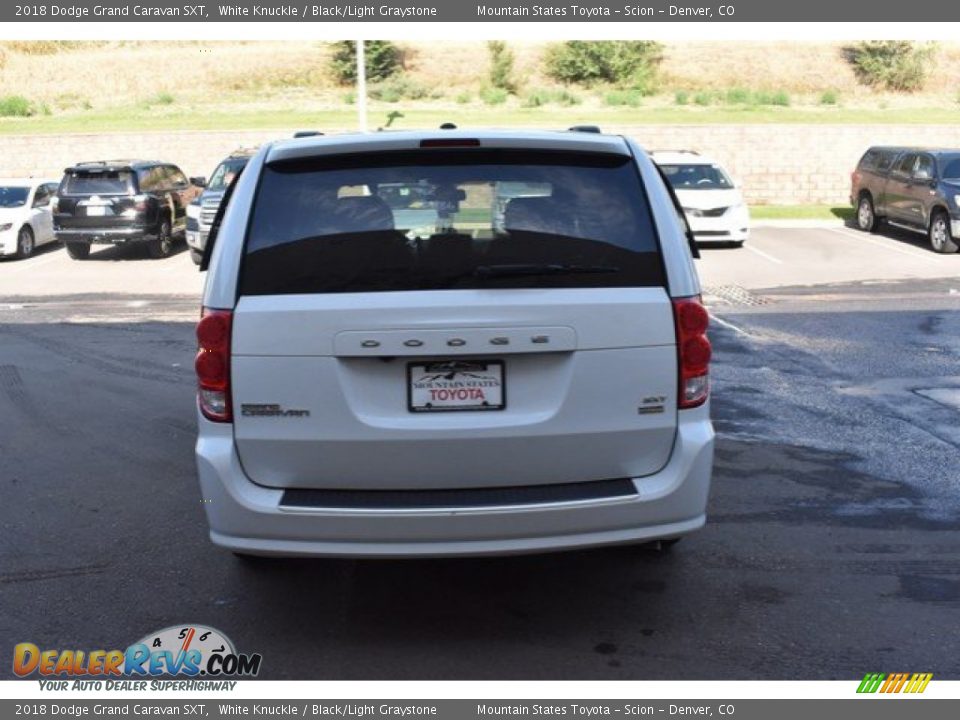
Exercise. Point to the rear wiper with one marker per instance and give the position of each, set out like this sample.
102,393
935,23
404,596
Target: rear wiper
546,269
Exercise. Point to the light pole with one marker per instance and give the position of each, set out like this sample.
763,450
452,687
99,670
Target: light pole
361,86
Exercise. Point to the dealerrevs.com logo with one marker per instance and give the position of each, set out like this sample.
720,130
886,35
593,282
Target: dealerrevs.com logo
190,651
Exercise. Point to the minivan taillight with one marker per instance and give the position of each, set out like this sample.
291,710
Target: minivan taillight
693,351
213,364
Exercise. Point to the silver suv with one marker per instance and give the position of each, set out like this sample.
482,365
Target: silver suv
451,343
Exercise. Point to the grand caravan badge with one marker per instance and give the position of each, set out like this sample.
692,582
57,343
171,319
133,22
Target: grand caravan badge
270,410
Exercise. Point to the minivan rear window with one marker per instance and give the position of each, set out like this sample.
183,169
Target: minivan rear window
98,182
450,219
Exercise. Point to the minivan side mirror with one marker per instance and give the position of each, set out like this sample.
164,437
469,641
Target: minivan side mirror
199,181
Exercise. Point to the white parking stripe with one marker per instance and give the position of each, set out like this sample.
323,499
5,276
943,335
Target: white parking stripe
31,263
865,237
729,325
761,253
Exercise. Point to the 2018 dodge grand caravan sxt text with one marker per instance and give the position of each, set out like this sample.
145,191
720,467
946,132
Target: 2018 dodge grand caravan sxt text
390,364
915,188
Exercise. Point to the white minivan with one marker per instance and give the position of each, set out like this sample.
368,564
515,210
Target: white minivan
451,343
712,202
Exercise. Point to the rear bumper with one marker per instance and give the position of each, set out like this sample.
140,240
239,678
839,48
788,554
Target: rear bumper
106,236
196,239
246,517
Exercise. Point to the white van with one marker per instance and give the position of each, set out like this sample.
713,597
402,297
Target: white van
712,202
475,380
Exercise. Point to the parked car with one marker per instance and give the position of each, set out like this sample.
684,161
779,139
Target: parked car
201,211
369,388
713,204
914,188
25,217
122,202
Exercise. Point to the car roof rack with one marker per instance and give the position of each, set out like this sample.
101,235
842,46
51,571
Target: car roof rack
306,133
595,129
448,126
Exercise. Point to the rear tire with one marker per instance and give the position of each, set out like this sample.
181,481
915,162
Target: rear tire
866,216
78,251
162,245
196,256
25,242
939,233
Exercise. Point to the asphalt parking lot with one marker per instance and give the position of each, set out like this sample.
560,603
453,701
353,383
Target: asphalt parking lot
832,546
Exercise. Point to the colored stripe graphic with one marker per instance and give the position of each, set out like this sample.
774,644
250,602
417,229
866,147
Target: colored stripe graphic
919,682
870,682
894,683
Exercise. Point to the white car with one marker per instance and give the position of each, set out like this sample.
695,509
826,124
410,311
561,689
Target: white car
713,204
26,220
485,380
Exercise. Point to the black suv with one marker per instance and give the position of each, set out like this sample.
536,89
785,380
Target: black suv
122,201
915,188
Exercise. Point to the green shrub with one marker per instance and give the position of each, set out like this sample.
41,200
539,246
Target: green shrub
463,98
163,98
400,88
828,97
738,96
682,97
625,63
350,98
493,96
620,98
899,65
16,106
703,98
501,66
543,96
382,59
779,98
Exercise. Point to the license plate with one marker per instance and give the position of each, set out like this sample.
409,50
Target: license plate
95,210
446,385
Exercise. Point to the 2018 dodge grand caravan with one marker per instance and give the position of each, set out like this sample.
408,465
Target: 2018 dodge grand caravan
391,364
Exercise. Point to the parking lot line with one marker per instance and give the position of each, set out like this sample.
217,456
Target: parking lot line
31,263
864,237
729,325
761,253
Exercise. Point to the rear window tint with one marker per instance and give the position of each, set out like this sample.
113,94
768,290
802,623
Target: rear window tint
98,182
879,160
443,220
951,167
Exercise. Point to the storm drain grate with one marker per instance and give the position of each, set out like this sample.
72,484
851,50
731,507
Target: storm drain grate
735,295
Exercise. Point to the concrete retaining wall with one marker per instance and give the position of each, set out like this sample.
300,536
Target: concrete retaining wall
777,164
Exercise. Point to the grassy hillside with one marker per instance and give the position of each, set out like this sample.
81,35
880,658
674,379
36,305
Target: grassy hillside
88,86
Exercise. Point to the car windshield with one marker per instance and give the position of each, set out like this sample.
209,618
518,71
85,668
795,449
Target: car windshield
98,182
225,173
951,167
697,177
11,197
439,219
